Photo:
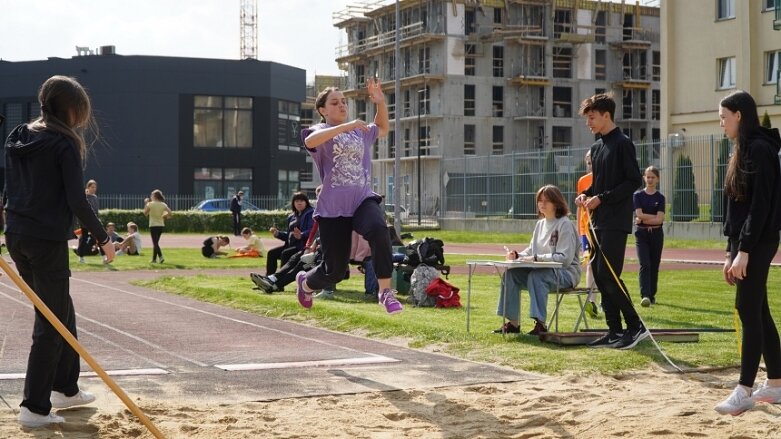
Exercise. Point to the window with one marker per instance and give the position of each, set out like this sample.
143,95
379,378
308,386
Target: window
469,140
600,65
562,102
407,105
656,68
223,122
391,67
470,59
655,135
773,60
769,5
14,116
391,106
600,31
562,62
727,71
498,61
497,15
469,100
725,9
498,101
360,76
562,22
562,137
470,22
288,125
656,104
634,103
391,144
360,109
424,60
407,150
288,183
424,140
424,100
497,147
599,91
221,182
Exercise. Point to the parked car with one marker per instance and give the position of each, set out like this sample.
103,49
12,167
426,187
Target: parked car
223,205
390,210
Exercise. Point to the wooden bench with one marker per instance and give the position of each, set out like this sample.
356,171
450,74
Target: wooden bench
553,323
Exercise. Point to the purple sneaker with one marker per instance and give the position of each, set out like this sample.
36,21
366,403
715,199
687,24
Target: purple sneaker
304,298
388,299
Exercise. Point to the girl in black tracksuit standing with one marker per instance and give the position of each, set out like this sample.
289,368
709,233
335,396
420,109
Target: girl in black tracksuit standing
44,188
752,223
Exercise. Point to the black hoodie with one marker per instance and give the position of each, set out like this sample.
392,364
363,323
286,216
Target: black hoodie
758,215
44,187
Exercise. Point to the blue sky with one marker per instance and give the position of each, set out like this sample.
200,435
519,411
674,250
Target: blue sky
294,32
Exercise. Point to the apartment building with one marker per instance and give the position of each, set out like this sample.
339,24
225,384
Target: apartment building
496,77
713,47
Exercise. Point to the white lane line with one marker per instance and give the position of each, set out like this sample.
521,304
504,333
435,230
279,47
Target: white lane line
118,372
231,319
317,363
117,330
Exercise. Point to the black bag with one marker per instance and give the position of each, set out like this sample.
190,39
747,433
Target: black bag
428,251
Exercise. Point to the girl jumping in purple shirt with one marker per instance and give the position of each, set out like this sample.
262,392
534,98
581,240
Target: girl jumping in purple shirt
342,152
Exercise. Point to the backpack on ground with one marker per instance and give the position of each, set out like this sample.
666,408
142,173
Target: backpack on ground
427,251
421,278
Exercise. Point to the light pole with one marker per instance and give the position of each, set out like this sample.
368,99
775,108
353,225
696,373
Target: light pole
421,94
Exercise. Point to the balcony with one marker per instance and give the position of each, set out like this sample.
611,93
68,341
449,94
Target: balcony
636,38
634,78
414,33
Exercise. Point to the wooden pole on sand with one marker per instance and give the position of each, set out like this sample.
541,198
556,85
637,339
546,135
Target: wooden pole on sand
74,343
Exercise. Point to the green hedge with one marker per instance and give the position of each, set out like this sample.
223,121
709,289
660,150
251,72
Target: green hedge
192,221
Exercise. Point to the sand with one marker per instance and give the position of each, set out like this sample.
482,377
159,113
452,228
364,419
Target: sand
641,404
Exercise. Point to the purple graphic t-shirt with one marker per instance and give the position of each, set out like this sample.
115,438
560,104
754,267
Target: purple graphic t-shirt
345,167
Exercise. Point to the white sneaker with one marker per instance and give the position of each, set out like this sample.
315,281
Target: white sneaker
32,420
767,394
60,401
119,253
81,259
738,402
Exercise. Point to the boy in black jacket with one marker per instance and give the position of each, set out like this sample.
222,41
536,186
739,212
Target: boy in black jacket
616,177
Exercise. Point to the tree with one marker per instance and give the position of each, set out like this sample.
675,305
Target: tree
525,205
717,201
766,120
685,201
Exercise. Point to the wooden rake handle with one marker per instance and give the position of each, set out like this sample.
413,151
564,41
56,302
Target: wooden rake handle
74,343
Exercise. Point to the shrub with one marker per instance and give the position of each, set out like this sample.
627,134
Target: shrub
685,200
194,221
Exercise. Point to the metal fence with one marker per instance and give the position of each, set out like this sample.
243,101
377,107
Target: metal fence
182,202
692,176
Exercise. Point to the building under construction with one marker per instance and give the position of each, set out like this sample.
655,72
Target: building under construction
494,77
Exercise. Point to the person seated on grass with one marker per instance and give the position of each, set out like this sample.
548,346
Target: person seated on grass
212,244
111,229
131,244
554,239
254,247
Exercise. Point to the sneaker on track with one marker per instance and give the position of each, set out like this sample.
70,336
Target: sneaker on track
738,402
645,302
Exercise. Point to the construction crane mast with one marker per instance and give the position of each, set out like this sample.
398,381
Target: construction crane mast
249,29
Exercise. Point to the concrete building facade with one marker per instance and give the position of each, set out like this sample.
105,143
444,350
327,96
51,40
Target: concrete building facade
711,48
496,77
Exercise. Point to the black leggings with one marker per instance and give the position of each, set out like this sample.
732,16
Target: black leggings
281,254
760,336
156,231
336,242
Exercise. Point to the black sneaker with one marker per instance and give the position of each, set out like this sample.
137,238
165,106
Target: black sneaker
539,328
633,336
262,283
508,328
609,340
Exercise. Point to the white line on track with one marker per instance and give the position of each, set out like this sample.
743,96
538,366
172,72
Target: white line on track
118,372
117,330
231,319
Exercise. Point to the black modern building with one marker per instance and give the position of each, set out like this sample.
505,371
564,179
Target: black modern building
207,127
